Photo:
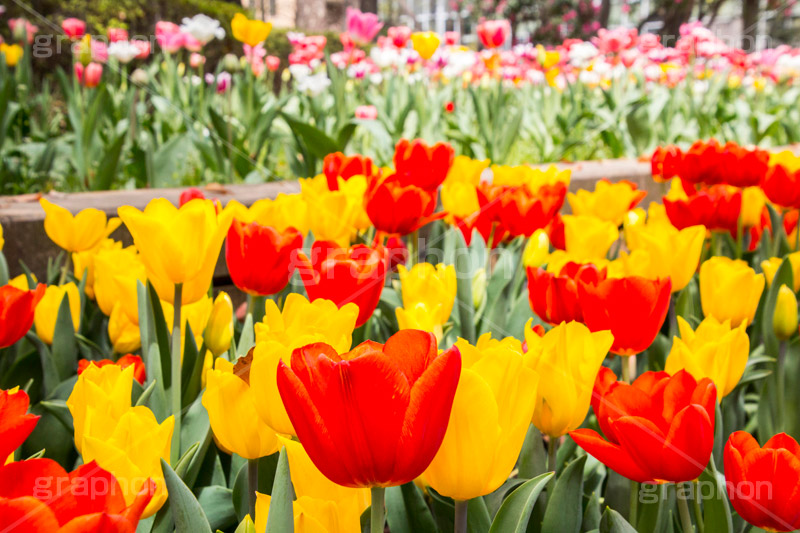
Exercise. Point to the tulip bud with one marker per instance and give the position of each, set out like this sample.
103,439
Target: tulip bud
784,321
230,63
479,287
219,331
139,77
537,250
83,50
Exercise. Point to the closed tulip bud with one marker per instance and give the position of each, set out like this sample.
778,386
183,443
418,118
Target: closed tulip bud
537,250
491,414
103,389
230,402
714,350
46,313
479,287
730,290
301,323
132,451
425,43
771,265
76,233
140,76
230,63
784,321
83,50
219,332
568,357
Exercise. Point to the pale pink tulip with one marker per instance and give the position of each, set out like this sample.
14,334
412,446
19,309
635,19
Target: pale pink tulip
362,27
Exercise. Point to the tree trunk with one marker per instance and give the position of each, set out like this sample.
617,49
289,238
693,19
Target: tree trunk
749,24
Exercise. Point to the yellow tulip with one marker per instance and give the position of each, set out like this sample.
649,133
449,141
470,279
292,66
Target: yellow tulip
784,321
219,332
248,31
83,262
527,175
105,390
301,323
730,290
785,158
771,265
609,201
420,316
122,331
76,233
459,199
466,170
715,351
133,452
12,52
285,210
537,250
2,240
568,358
587,237
753,202
334,215
670,252
425,43
116,272
434,286
491,414
46,313
21,282
230,403
178,245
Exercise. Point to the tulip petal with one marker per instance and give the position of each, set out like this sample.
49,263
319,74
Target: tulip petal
412,351
27,514
99,523
612,455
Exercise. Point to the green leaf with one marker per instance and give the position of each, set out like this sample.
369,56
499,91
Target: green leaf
316,141
281,515
107,171
515,512
612,522
533,458
49,372
406,510
60,410
563,514
246,338
783,276
466,306
216,502
65,347
186,510
591,516
716,512
162,336
652,513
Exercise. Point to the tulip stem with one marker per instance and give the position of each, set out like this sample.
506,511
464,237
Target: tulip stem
413,248
780,377
634,504
698,511
683,510
552,453
377,518
175,387
252,485
64,269
461,516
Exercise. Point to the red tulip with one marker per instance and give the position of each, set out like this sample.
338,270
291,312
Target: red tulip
555,231
73,28
125,361
425,166
782,186
191,193
519,210
260,258
665,162
633,308
660,429
493,33
16,312
762,482
15,422
555,298
338,165
345,275
716,208
374,416
396,208
38,496
741,167
397,253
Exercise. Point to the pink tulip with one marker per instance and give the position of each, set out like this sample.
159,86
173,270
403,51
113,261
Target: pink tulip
273,63
73,28
493,33
367,112
164,27
223,82
191,43
22,29
451,38
196,60
99,51
362,27
399,35
90,75
117,34
143,46
170,42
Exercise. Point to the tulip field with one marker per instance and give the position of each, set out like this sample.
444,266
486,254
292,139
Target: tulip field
431,336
